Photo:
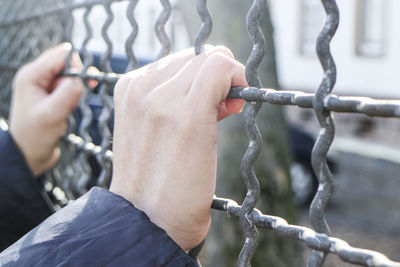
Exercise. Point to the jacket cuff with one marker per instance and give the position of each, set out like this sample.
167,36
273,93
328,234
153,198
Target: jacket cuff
15,172
100,228
22,200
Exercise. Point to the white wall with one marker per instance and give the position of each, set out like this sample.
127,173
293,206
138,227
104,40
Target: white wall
378,77
146,13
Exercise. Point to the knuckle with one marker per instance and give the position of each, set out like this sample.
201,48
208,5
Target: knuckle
77,86
120,87
45,117
157,110
220,61
62,129
224,50
185,126
187,119
21,74
123,93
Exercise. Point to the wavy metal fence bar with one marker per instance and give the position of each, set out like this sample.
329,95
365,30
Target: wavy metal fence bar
86,163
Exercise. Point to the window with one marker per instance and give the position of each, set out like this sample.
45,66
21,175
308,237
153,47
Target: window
370,28
312,19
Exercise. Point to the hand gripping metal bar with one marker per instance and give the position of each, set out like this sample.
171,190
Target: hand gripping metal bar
309,237
73,175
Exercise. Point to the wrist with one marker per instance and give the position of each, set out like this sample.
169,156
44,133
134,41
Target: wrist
28,153
187,232
19,146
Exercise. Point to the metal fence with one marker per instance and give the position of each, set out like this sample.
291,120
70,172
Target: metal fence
85,164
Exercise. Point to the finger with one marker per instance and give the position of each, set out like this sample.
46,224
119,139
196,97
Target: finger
76,61
48,162
77,64
222,111
213,82
169,65
65,98
159,72
183,79
48,66
235,105
52,161
230,106
91,82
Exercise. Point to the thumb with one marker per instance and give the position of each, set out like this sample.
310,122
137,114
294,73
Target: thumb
213,82
48,65
65,98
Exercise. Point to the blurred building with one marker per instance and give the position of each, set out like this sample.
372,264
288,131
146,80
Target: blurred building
146,45
365,47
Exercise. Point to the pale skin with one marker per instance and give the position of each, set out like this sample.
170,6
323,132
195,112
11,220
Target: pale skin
41,104
165,132
165,138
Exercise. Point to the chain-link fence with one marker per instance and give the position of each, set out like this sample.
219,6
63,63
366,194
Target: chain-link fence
28,27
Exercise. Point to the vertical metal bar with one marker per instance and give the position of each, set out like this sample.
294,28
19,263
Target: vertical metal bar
69,153
107,103
14,37
7,37
206,27
160,28
65,171
5,82
327,132
87,115
67,176
254,148
132,36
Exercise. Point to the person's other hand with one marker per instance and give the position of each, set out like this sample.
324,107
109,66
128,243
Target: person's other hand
41,103
165,138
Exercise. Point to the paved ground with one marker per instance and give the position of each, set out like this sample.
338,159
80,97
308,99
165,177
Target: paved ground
365,208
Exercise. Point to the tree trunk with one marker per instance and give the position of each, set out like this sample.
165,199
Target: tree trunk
225,239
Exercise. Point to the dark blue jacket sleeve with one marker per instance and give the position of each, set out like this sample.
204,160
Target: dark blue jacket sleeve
98,229
23,203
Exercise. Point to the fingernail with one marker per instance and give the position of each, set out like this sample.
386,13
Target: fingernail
65,46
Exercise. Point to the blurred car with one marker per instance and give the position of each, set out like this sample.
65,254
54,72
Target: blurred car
304,182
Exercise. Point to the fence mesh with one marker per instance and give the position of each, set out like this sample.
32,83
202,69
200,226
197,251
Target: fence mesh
28,27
